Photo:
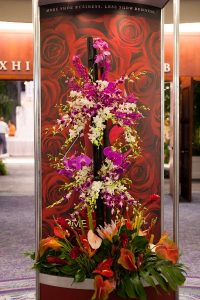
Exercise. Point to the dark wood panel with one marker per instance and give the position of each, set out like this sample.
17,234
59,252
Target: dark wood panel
189,54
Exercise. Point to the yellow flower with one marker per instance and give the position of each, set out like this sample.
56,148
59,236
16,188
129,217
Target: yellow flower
167,249
49,242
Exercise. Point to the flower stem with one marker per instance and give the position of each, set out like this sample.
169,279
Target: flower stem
81,225
89,214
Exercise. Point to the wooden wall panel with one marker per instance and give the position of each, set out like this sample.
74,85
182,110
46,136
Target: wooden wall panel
189,54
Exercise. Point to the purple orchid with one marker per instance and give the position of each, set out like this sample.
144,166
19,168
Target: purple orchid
116,157
73,164
77,162
82,71
117,200
103,56
131,98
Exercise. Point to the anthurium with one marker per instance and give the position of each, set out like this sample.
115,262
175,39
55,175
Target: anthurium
127,259
56,260
86,246
167,249
102,288
59,232
103,268
49,242
94,240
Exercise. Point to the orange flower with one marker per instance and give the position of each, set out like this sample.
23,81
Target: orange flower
108,231
129,224
103,268
103,288
59,232
49,242
167,249
127,260
86,246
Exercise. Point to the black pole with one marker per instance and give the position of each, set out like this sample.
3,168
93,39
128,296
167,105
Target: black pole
91,55
106,143
97,151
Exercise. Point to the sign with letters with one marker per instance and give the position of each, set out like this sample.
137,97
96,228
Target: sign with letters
16,55
14,65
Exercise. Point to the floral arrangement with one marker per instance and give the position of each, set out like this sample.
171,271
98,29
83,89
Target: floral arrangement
119,255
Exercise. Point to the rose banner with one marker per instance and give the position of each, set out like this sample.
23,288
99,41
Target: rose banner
132,32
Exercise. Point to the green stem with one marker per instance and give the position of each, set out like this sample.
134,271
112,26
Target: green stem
89,213
81,225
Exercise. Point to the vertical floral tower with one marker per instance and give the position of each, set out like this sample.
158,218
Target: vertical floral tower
107,236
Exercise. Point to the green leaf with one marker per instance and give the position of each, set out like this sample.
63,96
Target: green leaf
161,281
121,291
148,278
167,271
54,270
30,254
139,243
79,276
69,270
178,275
139,287
115,239
129,287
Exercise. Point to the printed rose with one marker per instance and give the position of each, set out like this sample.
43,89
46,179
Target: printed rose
50,143
127,260
56,46
147,86
155,119
167,249
63,223
152,49
50,89
129,31
102,288
51,183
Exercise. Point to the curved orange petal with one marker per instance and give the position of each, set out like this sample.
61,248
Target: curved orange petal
60,233
49,242
167,249
127,260
102,288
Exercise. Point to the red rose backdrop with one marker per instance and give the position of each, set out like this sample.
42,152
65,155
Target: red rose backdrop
133,36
